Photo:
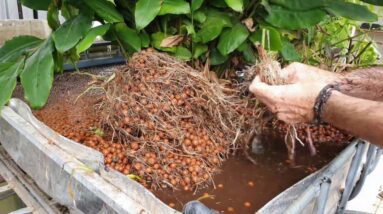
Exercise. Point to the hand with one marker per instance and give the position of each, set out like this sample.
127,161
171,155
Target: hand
294,102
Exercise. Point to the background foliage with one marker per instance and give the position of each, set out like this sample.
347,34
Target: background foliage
223,31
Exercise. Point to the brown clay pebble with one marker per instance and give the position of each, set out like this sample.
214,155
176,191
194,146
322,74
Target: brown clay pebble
172,205
220,185
230,209
250,183
247,204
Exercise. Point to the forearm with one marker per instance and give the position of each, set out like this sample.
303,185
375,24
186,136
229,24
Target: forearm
365,84
360,117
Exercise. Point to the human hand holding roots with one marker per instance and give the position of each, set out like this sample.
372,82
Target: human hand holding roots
270,72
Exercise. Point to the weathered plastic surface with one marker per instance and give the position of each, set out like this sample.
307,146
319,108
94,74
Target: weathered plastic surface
67,174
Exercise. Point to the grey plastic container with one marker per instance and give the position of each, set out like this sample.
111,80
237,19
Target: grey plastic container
74,174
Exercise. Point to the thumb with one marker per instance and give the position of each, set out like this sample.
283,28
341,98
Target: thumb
257,87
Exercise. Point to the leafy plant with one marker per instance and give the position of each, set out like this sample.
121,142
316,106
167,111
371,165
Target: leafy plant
190,30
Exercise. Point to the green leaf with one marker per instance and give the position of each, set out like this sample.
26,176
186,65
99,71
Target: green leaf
232,39
90,37
289,52
174,7
352,11
36,4
17,46
106,10
216,58
37,75
199,49
188,27
247,52
196,4
183,53
374,2
145,39
301,4
218,3
68,34
213,26
157,40
53,16
292,20
273,40
145,12
236,5
8,78
199,16
128,36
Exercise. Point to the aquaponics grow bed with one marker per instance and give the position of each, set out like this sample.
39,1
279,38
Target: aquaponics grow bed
75,176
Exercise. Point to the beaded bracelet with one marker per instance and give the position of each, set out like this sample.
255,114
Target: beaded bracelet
321,100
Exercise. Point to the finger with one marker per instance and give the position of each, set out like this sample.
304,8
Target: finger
290,73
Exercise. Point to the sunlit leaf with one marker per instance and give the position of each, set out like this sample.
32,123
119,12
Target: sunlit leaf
232,38
213,26
68,34
128,36
90,37
18,46
8,78
145,12
236,5
37,75
106,10
174,7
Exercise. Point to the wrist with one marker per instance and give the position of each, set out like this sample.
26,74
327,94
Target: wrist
328,112
321,100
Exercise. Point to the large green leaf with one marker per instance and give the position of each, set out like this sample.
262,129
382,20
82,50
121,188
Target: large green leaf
374,2
106,10
128,36
17,46
145,12
196,4
289,52
213,26
301,4
352,11
174,7
37,4
91,36
232,39
145,39
272,38
68,34
8,77
37,75
292,20
236,5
